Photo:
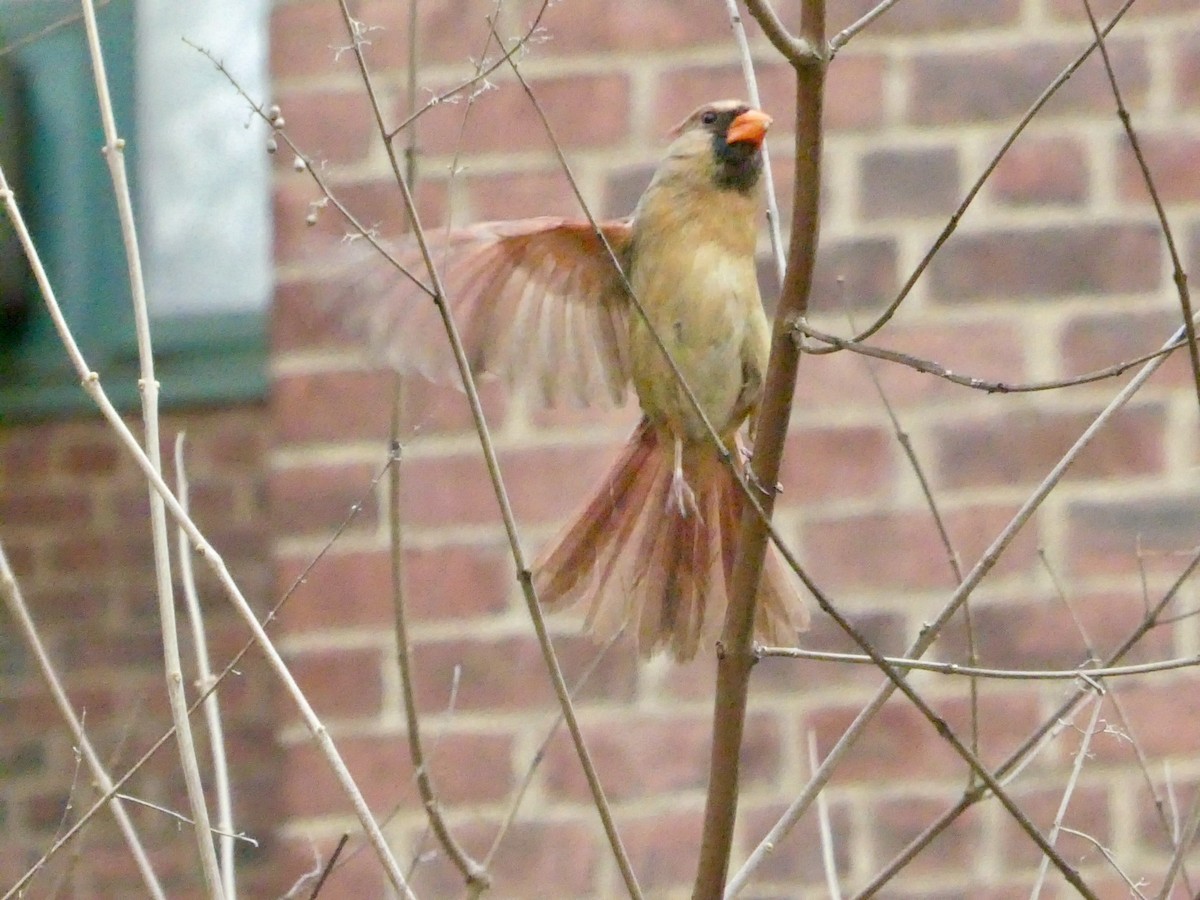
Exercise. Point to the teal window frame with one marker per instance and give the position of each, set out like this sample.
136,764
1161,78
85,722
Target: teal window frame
66,196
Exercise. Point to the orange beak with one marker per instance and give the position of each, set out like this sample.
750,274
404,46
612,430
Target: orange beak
750,127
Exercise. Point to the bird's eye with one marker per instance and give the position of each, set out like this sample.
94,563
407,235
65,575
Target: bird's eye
709,117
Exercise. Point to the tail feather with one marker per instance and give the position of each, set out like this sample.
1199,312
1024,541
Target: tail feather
633,559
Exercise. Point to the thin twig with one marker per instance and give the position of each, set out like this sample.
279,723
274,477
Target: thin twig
204,679
1080,756
471,871
1178,275
774,226
1020,756
956,216
539,755
735,657
483,70
90,381
939,523
15,602
930,632
801,51
828,858
481,427
1129,882
843,37
1183,844
114,154
1118,706
325,872
949,668
929,367
180,817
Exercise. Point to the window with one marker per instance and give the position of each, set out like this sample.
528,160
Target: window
201,195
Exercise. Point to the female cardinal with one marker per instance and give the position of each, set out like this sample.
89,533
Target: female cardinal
541,300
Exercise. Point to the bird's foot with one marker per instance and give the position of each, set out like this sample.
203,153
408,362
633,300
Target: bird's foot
681,498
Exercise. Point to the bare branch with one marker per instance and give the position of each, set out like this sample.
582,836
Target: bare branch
1180,278
799,51
15,602
843,37
472,872
91,385
956,216
928,634
204,680
114,154
735,658
929,367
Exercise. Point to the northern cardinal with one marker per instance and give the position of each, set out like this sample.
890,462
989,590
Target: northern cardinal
539,300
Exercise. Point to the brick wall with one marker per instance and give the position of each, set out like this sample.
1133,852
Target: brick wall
1056,270
74,521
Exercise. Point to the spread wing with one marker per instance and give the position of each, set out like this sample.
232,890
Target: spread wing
537,302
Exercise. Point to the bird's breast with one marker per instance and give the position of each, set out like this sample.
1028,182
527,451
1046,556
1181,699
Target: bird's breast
703,302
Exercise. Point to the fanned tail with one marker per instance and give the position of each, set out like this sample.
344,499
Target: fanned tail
633,558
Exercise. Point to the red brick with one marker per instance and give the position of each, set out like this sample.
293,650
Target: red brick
901,743
1087,811
682,89
783,676
1042,171
378,204
316,499
459,582
23,453
835,463
972,86
563,854
1103,10
379,765
854,91
340,683
44,507
544,484
1021,448
1105,537
1047,262
334,406
1098,340
895,822
1042,634
909,182
516,195
304,316
638,756
585,111
328,125
902,549
450,31
303,36
796,859
630,26
664,847
854,274
937,17
1172,160
1186,68
1162,720
509,674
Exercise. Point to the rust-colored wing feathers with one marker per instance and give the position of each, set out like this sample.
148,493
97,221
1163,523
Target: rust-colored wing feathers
537,303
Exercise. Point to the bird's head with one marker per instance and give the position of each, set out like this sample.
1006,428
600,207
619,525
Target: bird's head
722,141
